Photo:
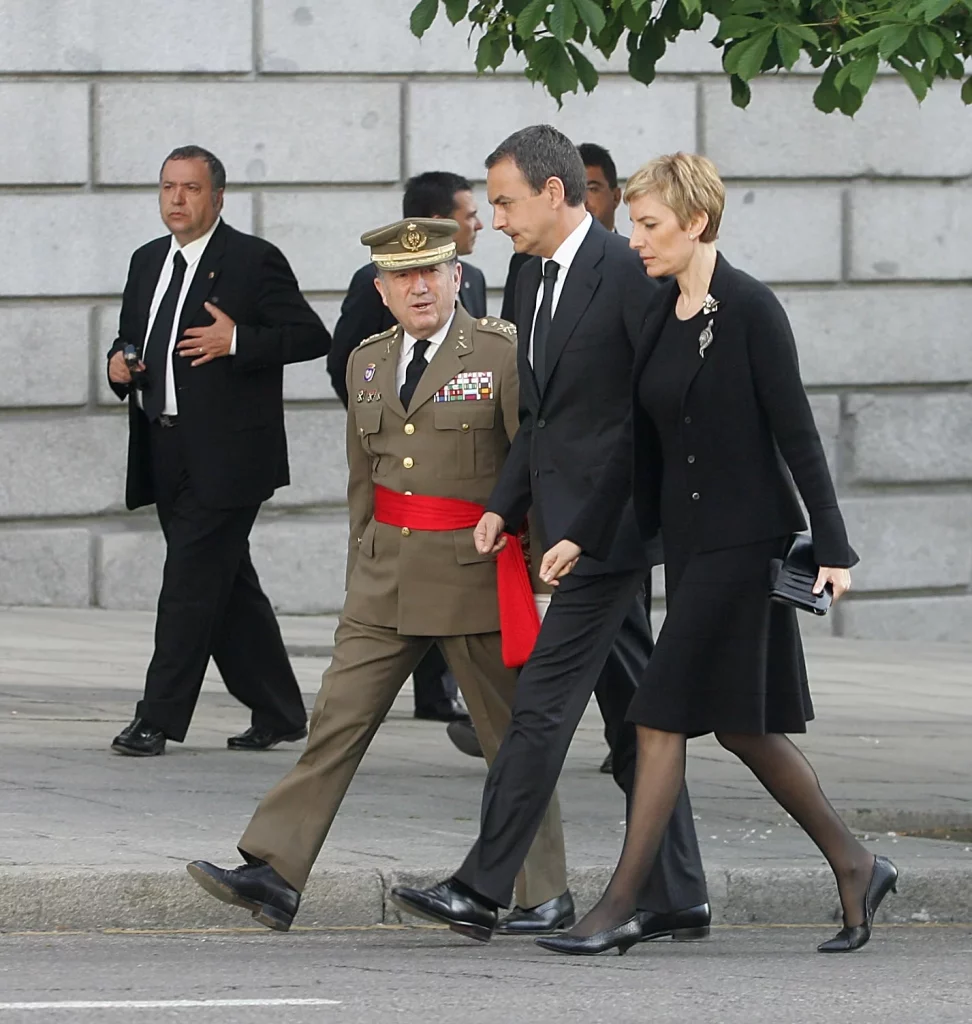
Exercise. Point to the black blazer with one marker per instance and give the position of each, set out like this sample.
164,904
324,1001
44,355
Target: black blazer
744,409
567,434
364,314
230,410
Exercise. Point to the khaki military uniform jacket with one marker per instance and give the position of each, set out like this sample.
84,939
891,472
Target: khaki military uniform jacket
427,583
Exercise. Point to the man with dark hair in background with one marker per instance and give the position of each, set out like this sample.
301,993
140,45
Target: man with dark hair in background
437,194
210,316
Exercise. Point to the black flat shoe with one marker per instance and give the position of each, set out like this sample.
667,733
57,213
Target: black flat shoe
622,937
448,903
464,737
553,916
448,710
139,739
263,739
884,879
255,887
682,925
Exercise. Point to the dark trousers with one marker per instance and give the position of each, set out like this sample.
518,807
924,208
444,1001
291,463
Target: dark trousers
591,619
211,605
433,683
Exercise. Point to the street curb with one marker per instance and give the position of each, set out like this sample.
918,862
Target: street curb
93,900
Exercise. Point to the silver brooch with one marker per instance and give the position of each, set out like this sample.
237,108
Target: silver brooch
705,339
710,305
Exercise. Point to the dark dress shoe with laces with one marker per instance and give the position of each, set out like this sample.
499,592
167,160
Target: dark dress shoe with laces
464,737
681,925
553,916
622,937
448,903
255,887
448,710
139,740
264,739
884,879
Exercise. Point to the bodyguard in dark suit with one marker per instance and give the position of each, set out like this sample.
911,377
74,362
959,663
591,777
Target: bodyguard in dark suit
214,315
581,305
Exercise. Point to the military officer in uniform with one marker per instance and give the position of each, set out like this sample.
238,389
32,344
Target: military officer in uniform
433,408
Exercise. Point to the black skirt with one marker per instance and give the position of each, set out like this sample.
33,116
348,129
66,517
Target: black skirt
727,658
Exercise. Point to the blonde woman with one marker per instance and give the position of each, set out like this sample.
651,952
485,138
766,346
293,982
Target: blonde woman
717,398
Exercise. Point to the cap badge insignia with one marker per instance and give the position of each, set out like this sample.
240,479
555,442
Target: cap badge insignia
412,238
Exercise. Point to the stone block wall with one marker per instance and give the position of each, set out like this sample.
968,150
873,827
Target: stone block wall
320,110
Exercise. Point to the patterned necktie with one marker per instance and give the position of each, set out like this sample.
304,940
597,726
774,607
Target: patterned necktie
413,372
156,356
541,328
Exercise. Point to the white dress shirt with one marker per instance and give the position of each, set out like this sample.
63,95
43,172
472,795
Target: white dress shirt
408,343
564,256
192,254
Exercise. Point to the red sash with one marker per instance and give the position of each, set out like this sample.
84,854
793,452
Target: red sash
519,619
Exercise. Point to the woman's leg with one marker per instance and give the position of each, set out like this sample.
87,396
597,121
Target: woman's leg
659,774
789,778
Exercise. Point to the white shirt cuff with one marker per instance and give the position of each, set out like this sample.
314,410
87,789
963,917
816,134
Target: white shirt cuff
233,343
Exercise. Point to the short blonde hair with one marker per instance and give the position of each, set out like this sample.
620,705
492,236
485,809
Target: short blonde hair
688,183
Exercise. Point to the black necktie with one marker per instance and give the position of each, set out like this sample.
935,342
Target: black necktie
156,356
541,328
413,372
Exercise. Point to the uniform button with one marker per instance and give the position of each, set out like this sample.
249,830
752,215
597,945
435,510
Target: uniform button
406,532
688,419
695,495
541,423
691,459
407,462
408,494
409,428
465,426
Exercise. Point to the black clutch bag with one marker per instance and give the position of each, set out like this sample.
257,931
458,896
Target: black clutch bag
793,576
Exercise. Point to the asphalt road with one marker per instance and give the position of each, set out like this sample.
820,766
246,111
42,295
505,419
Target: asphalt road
751,975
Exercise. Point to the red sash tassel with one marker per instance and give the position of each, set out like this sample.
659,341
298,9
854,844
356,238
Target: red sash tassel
519,619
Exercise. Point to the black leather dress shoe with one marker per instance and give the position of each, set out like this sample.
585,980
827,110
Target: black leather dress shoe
449,710
139,740
255,887
607,765
553,916
448,903
884,879
622,937
263,739
682,925
464,737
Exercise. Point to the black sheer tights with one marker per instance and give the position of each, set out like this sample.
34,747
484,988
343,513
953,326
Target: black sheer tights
784,772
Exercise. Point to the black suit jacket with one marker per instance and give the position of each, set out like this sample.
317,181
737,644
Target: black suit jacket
363,314
568,432
230,410
744,408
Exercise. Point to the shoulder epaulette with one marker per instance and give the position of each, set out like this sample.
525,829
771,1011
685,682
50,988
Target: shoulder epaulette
495,325
380,336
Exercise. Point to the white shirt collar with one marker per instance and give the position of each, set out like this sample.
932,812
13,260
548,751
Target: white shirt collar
567,250
435,340
192,251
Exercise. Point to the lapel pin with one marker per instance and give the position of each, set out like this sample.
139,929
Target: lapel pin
360,396
212,274
369,373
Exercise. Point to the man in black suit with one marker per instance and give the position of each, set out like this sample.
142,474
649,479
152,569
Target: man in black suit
363,314
581,303
213,316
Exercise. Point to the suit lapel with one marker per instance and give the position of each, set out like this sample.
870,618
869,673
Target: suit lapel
149,282
205,277
526,304
582,281
654,322
447,361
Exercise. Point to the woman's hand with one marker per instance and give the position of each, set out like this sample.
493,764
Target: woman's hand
559,561
839,579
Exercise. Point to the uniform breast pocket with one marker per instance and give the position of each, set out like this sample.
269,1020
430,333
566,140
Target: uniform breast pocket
473,448
367,419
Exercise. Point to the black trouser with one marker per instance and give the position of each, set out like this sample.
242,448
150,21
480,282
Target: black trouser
434,684
590,618
211,604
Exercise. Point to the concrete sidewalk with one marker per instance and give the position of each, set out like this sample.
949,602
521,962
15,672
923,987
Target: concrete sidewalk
91,840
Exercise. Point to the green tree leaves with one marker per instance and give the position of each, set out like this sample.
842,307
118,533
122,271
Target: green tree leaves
851,40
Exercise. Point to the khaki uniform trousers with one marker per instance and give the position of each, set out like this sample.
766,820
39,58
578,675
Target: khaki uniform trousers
369,667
